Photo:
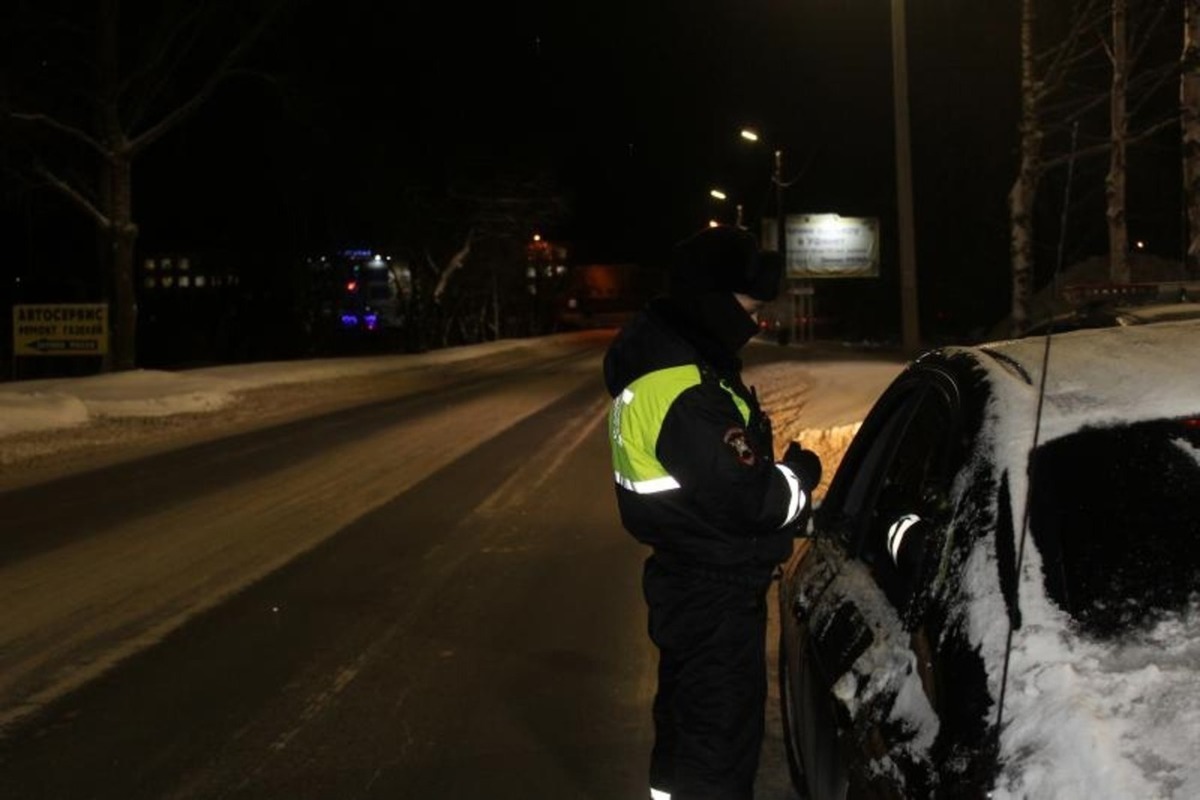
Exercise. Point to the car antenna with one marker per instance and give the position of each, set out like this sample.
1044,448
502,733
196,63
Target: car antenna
1037,426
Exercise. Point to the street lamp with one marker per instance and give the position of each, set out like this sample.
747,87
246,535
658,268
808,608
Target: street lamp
751,135
719,194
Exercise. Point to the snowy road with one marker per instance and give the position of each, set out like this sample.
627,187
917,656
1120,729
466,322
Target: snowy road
97,567
473,605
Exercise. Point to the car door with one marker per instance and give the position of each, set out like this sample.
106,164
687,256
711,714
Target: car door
849,597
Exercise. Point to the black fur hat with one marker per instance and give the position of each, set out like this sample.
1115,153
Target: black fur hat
724,259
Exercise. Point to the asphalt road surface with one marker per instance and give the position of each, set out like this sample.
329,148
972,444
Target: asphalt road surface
412,598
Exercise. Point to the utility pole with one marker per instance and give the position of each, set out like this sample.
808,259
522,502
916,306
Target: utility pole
781,240
910,333
781,236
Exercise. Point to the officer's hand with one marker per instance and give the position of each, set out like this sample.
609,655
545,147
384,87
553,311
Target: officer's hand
805,463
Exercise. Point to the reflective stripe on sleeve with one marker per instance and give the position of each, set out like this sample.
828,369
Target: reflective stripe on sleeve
659,794
895,536
797,499
652,486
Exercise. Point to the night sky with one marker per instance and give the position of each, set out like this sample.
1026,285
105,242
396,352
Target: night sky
632,111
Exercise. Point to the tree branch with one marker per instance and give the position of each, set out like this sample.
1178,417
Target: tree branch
1142,36
222,71
70,130
1146,85
1108,51
1059,59
1073,109
162,64
455,264
1103,147
431,264
74,195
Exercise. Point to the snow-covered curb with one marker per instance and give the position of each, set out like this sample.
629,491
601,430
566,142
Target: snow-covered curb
55,403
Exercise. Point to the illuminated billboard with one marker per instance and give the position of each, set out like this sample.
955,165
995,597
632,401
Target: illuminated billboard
832,246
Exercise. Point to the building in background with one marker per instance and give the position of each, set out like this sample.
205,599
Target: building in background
191,308
602,295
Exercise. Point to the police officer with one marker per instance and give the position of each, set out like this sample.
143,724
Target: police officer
696,480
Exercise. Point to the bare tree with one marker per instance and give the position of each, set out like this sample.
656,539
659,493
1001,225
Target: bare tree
129,100
468,242
1130,81
1189,105
1053,99
1044,74
453,265
1024,190
1118,230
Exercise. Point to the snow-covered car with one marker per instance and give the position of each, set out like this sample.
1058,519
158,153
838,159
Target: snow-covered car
1103,315
1036,634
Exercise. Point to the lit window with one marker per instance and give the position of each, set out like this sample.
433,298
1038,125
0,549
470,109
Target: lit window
200,281
184,281
185,264
168,281
150,265
166,263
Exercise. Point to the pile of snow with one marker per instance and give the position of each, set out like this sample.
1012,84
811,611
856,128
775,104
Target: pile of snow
50,404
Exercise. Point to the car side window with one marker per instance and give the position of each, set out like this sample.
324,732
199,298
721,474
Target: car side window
859,494
844,514
908,497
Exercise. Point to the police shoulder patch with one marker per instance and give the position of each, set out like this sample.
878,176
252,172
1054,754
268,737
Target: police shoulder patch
737,441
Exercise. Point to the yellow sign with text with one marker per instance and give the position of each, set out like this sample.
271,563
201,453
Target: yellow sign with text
61,329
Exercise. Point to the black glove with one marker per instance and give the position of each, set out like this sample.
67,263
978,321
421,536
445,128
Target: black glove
805,463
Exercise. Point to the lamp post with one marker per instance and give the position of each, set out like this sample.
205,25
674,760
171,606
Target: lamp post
751,135
910,333
780,228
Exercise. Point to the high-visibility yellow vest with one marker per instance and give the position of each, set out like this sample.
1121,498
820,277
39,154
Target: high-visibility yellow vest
636,418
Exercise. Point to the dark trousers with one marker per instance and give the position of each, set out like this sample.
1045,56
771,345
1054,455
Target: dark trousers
710,630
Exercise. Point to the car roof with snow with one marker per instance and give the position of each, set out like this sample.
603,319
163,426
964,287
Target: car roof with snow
1097,377
1108,315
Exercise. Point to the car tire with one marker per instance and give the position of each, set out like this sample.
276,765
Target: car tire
785,712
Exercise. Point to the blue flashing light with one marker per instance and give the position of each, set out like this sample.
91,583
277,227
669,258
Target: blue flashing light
371,321
349,321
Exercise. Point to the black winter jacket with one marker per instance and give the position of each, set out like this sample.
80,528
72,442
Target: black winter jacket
692,451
